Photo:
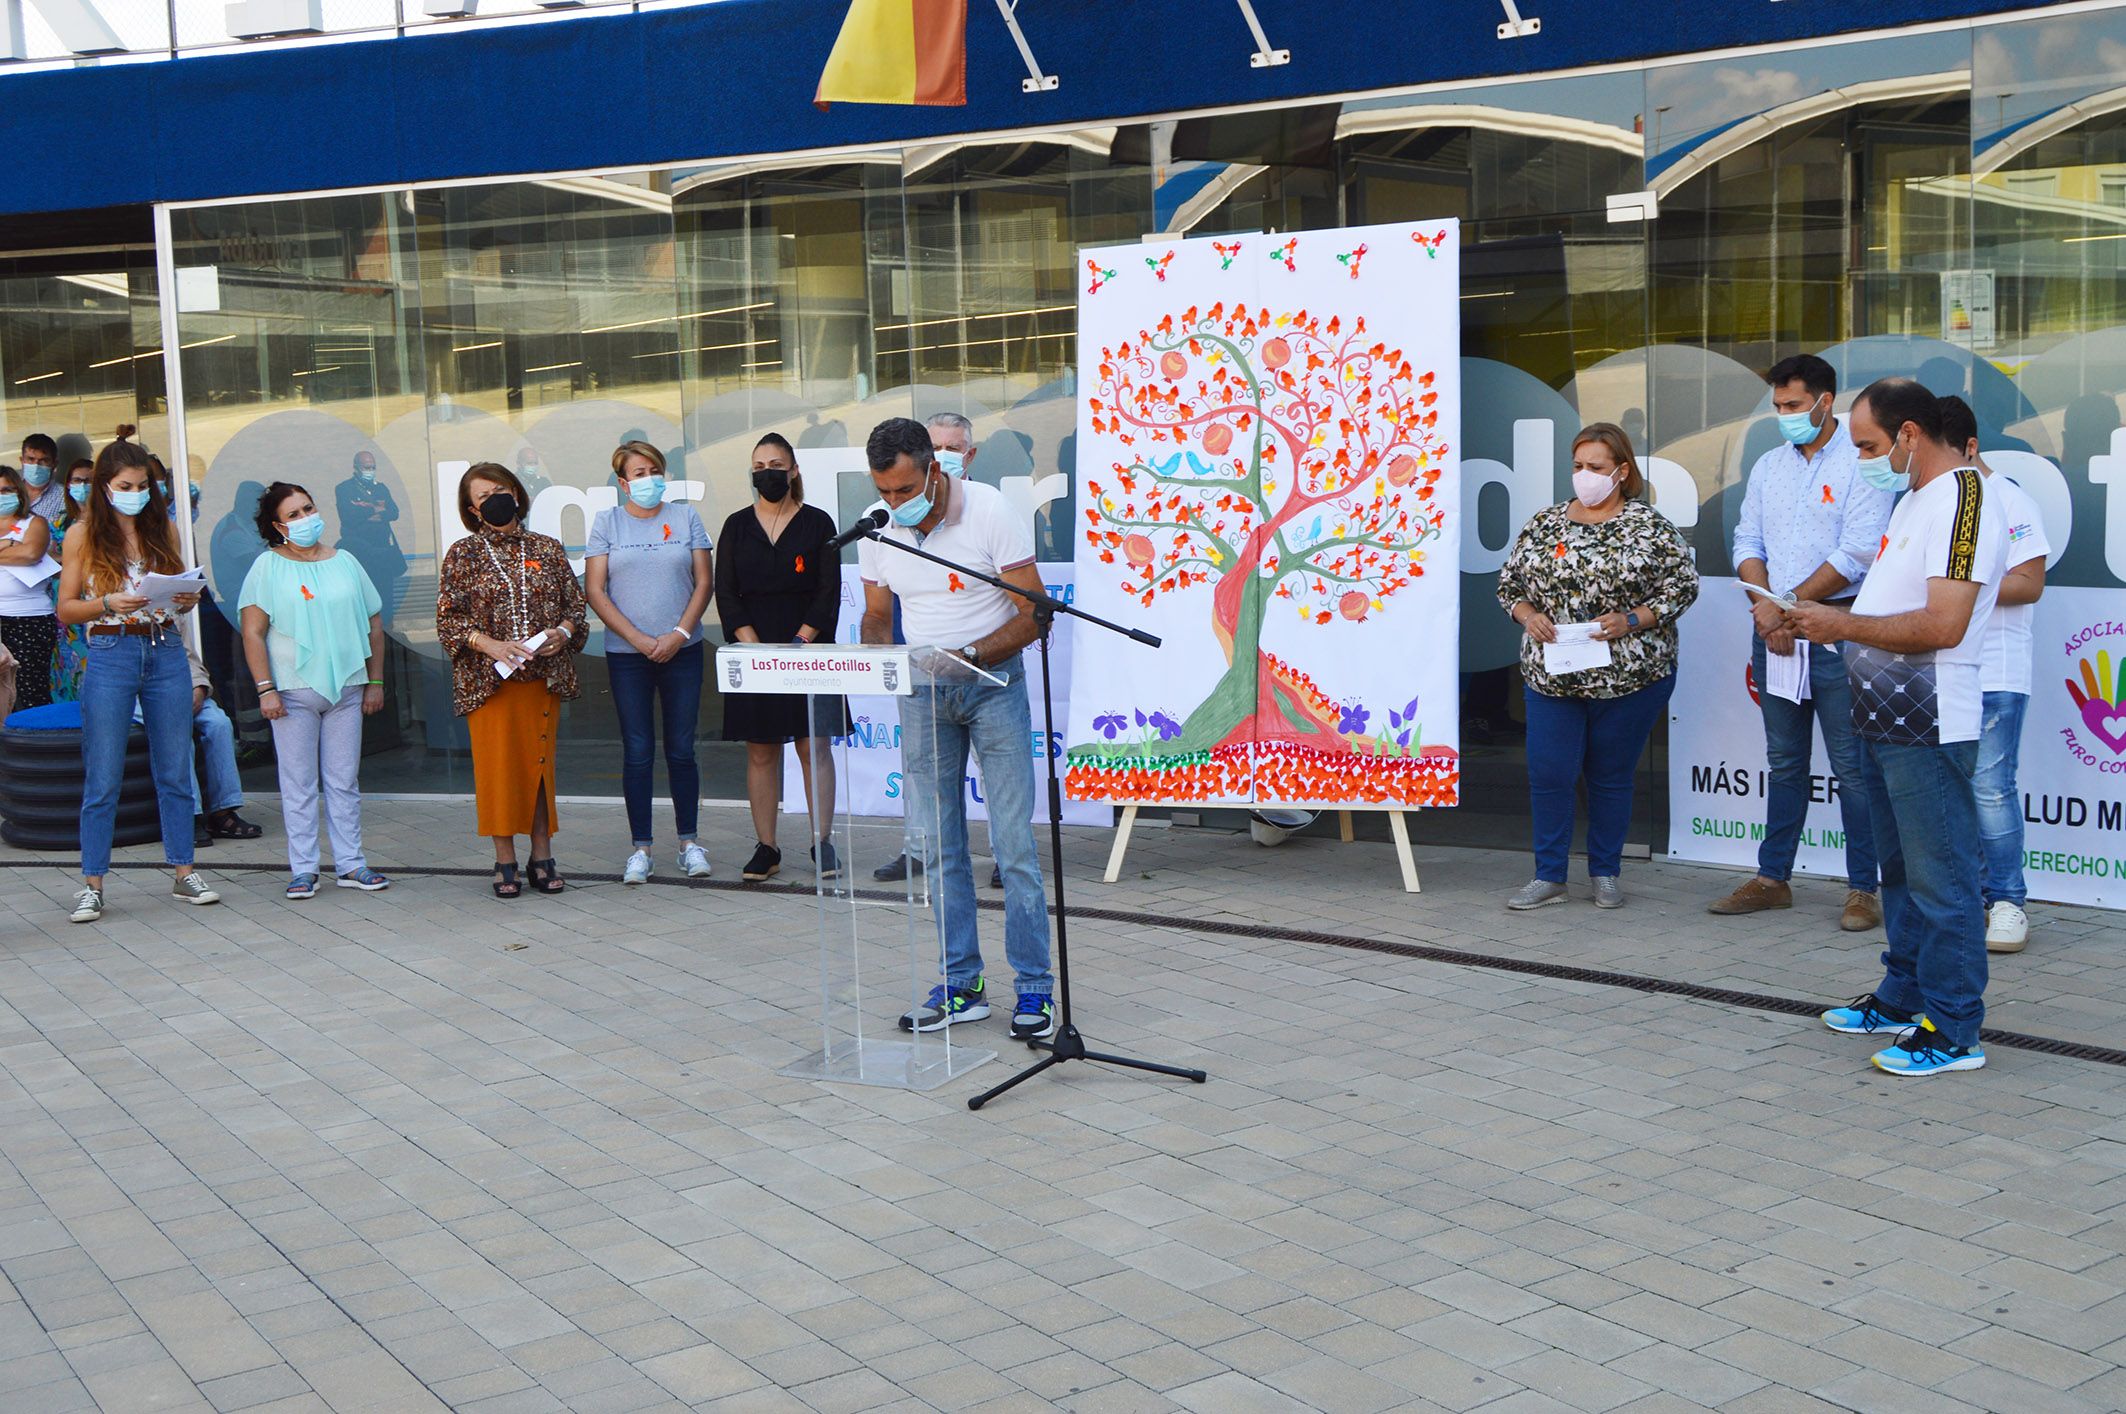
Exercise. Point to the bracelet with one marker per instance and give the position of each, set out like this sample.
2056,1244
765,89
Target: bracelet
264,684
374,682
269,690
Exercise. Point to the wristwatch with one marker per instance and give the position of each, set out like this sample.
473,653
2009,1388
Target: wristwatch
972,655
1631,620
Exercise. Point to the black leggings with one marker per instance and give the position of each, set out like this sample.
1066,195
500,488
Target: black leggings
33,640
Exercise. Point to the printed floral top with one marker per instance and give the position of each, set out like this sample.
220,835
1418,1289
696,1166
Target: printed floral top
1575,573
507,584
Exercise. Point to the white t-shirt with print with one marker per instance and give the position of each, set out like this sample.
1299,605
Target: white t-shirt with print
1951,528
941,608
2004,664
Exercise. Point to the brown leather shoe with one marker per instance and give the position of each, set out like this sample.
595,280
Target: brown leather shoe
1863,911
1755,896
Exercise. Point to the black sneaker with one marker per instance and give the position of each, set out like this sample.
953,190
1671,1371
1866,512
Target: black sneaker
766,860
897,869
948,1006
1034,1018
825,861
996,876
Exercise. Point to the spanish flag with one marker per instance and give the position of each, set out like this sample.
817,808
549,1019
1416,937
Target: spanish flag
899,51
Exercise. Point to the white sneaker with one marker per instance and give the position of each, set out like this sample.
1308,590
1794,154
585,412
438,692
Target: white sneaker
88,905
694,862
193,889
638,869
2007,928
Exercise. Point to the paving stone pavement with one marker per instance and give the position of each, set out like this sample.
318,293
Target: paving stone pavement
423,1149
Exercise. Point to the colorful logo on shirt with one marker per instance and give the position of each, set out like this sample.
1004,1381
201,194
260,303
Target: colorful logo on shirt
2095,683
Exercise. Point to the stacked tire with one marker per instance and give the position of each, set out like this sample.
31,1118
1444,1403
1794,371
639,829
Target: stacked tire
42,779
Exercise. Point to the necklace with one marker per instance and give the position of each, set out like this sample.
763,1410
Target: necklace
518,593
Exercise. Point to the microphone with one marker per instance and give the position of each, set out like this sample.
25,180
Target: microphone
863,527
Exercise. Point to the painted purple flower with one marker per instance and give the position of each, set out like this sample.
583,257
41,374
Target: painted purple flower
1166,726
1355,717
1110,724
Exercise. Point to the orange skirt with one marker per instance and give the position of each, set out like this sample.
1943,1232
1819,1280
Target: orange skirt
513,757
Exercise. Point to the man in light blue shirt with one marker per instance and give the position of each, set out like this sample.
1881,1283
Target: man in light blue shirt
1811,525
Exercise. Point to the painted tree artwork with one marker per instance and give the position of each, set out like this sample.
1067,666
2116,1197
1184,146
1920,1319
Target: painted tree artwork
1267,478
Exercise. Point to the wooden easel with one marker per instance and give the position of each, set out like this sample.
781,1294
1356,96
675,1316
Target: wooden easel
1397,826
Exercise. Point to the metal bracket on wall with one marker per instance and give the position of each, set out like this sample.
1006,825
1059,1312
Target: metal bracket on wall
1516,27
1035,81
1264,57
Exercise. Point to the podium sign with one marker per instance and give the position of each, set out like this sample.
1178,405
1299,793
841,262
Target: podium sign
817,669
880,950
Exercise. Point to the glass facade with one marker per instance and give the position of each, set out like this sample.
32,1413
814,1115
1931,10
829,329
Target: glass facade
1948,204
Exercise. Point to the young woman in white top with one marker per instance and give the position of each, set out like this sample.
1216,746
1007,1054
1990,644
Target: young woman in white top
26,623
136,658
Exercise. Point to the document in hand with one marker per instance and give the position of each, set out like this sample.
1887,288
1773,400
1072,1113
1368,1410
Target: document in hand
1786,675
531,644
1576,650
162,589
33,575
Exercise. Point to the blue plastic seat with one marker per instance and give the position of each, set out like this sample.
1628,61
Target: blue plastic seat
52,717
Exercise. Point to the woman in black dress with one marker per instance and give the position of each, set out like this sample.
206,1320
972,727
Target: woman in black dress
779,581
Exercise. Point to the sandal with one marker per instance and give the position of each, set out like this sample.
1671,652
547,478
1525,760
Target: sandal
506,885
228,825
545,876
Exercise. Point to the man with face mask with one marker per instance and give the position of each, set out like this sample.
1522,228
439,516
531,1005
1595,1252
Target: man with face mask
366,510
1808,530
40,469
972,525
1915,640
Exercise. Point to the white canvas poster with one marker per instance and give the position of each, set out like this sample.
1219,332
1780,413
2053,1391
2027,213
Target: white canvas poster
1267,479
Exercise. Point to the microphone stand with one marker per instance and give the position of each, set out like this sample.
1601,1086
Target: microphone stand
1067,1044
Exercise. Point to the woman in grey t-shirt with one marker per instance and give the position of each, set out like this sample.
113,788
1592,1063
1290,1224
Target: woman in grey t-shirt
647,575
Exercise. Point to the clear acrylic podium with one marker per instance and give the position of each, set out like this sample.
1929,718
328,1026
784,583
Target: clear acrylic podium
881,948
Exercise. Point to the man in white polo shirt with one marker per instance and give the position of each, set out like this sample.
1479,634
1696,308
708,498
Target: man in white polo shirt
969,524
1916,631
2004,676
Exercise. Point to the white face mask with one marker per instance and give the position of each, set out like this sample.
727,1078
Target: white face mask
1593,488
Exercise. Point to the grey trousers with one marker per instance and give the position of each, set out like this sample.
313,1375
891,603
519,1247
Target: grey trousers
321,739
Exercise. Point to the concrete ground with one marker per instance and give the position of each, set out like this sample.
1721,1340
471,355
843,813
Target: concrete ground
424,1149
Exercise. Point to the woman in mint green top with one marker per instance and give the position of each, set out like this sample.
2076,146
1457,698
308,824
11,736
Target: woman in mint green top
314,639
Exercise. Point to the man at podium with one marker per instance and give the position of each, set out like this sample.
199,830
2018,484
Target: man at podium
971,525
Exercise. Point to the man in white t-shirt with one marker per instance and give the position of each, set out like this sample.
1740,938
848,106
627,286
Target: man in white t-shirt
971,525
1917,630
2004,677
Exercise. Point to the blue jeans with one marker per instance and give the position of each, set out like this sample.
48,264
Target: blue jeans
223,788
639,688
1789,747
2000,803
124,671
1925,813
938,725
1596,739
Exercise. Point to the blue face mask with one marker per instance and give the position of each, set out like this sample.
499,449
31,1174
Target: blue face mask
952,463
129,503
916,509
1799,427
78,492
9,503
37,476
1878,473
305,531
646,491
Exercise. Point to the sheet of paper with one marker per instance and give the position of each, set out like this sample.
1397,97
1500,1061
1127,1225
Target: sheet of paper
532,644
33,575
1786,675
162,589
1784,601
1576,650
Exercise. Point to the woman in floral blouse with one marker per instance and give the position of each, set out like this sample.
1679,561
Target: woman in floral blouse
1596,584
511,615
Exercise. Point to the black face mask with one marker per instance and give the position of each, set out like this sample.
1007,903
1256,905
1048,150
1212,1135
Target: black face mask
772,483
499,509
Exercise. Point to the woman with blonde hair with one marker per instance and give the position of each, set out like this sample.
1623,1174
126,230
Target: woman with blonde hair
510,615
136,658
647,573
1596,584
